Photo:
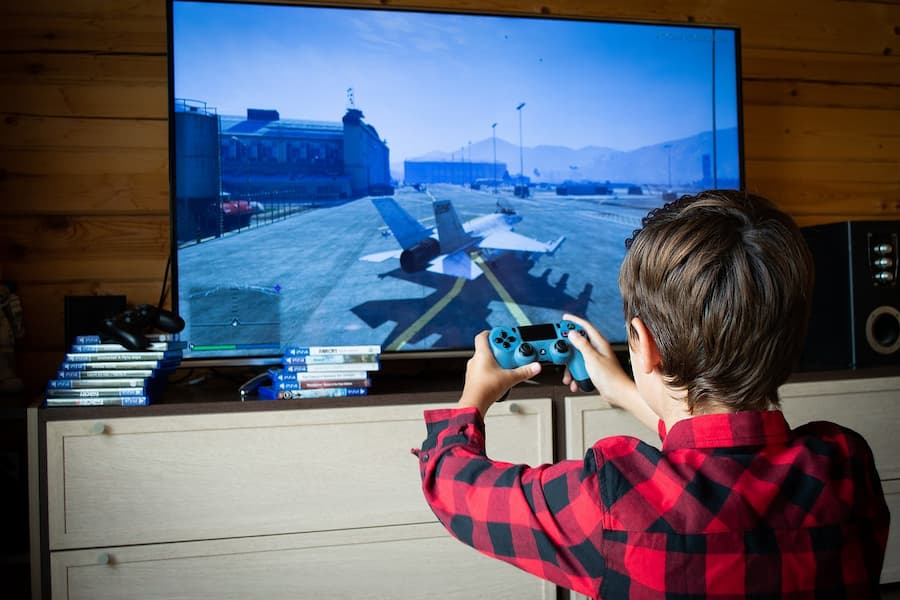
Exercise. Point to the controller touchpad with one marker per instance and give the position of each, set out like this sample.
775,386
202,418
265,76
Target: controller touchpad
536,333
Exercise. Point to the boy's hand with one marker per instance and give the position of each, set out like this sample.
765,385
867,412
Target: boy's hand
612,382
486,381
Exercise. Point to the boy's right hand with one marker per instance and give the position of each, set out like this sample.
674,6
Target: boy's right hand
612,382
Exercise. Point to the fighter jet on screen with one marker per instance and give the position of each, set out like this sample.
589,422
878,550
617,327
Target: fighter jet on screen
450,251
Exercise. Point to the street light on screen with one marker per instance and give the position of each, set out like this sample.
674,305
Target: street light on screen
521,153
494,135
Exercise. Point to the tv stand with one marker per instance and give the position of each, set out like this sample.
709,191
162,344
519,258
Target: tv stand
274,498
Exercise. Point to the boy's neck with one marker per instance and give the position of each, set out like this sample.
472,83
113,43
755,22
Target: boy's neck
675,409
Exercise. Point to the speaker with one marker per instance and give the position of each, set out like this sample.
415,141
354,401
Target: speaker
84,314
855,320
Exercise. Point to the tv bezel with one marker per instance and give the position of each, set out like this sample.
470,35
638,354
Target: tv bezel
418,356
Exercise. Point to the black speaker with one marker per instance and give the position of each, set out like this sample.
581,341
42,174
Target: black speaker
84,314
855,321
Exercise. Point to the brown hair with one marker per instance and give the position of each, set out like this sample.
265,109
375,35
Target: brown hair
723,282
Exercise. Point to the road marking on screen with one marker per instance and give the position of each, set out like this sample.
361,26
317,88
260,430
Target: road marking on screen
511,305
410,331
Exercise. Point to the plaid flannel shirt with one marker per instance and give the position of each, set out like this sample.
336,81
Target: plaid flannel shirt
734,506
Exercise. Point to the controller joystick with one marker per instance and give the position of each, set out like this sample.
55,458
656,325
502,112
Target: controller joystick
130,327
546,343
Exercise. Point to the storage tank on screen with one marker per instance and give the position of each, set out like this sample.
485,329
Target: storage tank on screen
197,179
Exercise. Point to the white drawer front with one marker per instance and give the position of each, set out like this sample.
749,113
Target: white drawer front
588,419
890,573
405,562
163,479
871,407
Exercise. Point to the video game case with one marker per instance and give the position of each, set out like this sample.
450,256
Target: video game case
335,368
123,401
267,392
109,347
153,337
120,364
110,374
96,392
122,356
331,359
279,374
317,385
331,350
72,384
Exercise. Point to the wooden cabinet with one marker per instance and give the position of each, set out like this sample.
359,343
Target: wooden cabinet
273,503
869,406
285,500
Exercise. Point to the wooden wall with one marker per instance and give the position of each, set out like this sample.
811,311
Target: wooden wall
83,150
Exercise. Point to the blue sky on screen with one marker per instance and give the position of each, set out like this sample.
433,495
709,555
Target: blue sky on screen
438,81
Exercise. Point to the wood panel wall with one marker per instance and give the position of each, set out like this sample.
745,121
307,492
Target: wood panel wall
83,151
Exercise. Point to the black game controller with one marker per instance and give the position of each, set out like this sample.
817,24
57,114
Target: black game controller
130,327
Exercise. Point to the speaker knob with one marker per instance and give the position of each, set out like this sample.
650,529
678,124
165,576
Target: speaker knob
882,249
885,262
884,277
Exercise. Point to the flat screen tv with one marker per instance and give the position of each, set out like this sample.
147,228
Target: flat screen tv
347,176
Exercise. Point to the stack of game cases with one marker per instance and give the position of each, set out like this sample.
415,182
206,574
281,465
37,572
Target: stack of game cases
95,373
322,372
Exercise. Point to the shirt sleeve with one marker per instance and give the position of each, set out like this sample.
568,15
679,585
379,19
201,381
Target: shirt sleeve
541,519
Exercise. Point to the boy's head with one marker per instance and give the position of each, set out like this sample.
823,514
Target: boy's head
722,281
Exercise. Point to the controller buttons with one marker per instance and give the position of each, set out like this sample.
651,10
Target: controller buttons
561,346
505,340
526,349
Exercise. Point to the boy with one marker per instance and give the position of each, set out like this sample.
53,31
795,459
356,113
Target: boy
716,291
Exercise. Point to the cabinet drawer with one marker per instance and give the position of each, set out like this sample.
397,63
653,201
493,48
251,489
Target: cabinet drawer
411,561
195,477
871,407
588,419
891,571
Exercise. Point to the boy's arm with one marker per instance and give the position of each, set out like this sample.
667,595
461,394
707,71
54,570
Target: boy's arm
612,382
518,514
540,519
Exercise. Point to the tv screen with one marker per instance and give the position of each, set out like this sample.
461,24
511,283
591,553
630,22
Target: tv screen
347,176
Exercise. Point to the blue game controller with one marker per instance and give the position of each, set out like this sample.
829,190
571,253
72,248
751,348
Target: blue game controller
545,343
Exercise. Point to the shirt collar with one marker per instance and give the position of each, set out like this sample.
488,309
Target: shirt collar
722,430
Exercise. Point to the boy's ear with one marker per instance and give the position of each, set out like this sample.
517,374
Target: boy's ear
644,346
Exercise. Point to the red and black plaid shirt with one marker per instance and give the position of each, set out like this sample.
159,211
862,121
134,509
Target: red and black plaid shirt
734,506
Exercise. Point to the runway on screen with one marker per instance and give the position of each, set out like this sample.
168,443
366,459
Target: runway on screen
302,278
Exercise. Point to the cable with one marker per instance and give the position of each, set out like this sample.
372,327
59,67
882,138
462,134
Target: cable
164,291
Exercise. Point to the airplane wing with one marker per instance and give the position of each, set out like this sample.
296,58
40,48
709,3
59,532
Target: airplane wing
407,231
514,242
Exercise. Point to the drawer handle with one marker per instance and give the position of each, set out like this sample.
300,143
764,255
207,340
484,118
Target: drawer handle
514,408
98,428
104,558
